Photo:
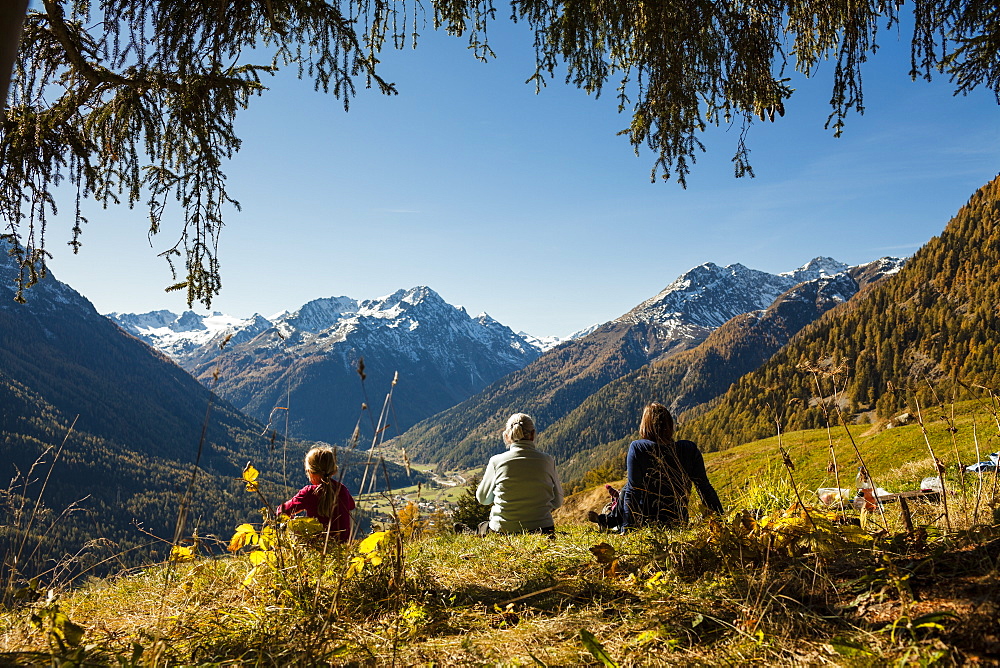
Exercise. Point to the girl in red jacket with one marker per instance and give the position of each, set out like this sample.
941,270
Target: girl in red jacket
324,498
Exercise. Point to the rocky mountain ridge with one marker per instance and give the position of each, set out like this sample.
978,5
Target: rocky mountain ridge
194,340
307,359
591,435
676,320
708,295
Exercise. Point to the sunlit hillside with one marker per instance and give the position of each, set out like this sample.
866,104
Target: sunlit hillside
771,582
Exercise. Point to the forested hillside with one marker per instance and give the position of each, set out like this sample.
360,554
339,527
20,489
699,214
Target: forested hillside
547,389
138,433
597,432
929,332
676,319
139,421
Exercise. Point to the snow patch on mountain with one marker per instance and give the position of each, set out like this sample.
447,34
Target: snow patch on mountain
886,266
415,324
820,267
546,343
180,335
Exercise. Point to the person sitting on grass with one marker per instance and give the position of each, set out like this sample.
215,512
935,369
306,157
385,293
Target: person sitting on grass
324,498
660,474
521,484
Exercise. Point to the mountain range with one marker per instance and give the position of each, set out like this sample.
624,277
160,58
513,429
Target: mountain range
114,427
677,320
303,365
298,368
927,336
192,339
115,433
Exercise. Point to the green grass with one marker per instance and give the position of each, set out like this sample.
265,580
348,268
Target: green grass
785,588
897,458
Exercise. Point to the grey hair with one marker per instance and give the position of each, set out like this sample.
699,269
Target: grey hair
520,427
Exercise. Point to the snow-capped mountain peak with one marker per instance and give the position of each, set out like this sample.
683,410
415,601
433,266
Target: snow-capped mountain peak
546,343
318,314
709,295
441,354
486,320
404,301
819,267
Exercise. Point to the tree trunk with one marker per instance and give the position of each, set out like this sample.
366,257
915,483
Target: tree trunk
12,14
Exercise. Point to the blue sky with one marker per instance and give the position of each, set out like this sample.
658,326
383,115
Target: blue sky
529,207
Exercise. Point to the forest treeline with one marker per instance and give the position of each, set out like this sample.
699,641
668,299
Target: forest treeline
130,427
918,338
922,337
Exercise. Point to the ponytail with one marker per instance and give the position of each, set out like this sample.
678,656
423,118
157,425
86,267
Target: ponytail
323,462
327,498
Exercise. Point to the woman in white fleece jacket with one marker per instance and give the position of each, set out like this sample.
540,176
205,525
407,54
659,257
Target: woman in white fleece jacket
521,484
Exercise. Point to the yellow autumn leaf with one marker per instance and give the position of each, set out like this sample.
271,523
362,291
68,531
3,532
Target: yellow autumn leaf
372,542
259,557
267,538
356,566
655,579
250,477
245,534
181,553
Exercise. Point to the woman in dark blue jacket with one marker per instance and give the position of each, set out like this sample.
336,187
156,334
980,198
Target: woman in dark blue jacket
660,474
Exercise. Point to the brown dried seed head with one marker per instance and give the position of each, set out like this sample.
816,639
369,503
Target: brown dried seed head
787,461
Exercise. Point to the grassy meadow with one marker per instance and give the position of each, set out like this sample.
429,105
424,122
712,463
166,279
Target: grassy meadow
771,582
897,459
